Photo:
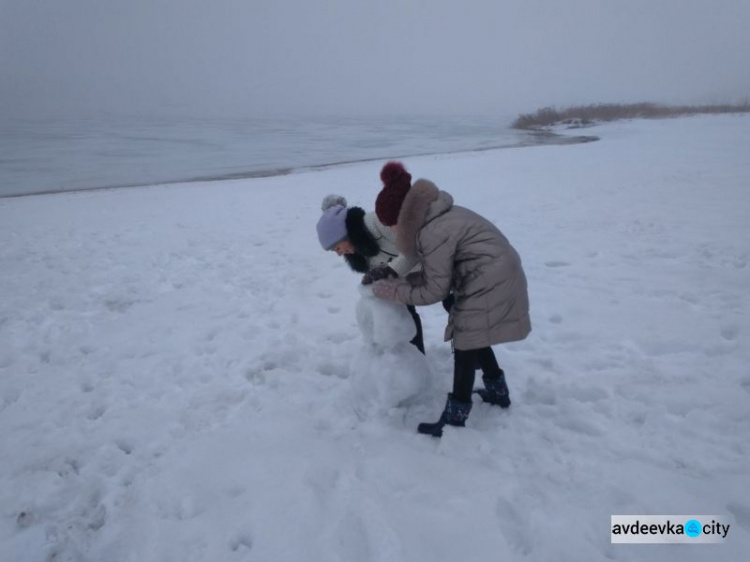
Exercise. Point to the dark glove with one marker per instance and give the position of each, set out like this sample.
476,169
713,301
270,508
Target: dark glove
448,302
378,273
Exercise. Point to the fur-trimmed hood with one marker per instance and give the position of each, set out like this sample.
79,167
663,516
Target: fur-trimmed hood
362,239
422,203
374,244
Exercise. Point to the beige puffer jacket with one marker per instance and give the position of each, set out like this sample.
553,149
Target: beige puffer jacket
461,251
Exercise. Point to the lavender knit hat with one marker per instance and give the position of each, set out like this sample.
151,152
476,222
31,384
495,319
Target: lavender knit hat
332,224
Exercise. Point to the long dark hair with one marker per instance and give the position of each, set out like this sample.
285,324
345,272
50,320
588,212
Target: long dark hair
362,239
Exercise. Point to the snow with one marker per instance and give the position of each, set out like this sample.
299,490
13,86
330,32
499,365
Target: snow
388,372
180,366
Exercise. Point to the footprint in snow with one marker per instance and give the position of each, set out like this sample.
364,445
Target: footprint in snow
514,527
340,337
125,445
580,425
557,263
539,393
96,412
730,333
119,305
11,397
587,394
242,542
332,369
6,361
323,481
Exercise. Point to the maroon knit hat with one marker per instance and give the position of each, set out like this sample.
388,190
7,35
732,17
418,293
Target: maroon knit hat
396,184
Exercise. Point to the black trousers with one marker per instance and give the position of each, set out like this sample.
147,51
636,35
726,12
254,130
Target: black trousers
418,340
464,364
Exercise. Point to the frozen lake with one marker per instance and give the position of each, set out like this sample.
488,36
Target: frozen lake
38,155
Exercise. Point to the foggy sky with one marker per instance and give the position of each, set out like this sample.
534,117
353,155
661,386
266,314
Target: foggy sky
352,57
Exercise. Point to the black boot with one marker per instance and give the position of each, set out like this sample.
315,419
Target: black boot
495,390
455,413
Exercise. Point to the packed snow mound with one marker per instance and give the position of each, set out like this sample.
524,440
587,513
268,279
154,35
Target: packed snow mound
388,372
384,324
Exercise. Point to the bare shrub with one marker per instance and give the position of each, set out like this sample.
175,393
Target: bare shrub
586,114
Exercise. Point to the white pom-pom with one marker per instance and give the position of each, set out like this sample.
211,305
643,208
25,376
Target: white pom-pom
331,201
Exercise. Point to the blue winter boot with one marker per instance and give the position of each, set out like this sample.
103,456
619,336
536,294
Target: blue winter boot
455,413
495,390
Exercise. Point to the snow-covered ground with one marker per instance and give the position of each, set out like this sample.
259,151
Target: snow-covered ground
181,366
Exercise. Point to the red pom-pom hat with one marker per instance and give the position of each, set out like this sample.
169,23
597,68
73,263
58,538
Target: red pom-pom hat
396,184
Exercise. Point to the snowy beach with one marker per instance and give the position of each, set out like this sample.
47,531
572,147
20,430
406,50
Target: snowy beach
179,366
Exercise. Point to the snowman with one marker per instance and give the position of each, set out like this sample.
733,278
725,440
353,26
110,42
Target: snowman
387,372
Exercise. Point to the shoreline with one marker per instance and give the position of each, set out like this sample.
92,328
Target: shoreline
535,138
